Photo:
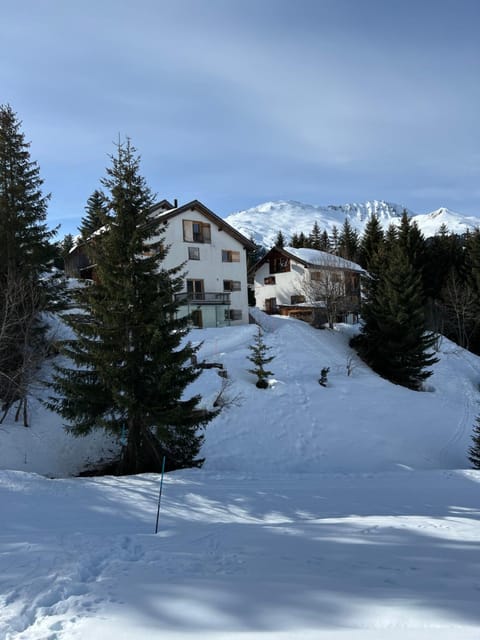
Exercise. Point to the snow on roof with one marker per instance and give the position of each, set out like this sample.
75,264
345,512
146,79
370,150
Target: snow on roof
322,258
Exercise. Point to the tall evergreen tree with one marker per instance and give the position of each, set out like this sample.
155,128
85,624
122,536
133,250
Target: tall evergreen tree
96,214
394,340
132,366
25,240
315,237
371,242
26,254
348,242
334,241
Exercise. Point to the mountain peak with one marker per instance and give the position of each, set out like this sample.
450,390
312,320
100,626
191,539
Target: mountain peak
264,221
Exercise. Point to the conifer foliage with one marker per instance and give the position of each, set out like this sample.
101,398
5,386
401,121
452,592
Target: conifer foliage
474,452
132,365
26,254
259,359
394,340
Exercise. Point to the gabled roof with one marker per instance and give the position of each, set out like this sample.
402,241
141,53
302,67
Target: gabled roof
196,205
312,258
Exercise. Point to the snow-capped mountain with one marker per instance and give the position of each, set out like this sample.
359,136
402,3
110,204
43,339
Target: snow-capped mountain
264,221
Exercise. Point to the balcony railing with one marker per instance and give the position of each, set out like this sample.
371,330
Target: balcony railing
207,297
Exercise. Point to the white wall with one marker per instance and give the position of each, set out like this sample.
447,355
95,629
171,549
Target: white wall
286,284
210,267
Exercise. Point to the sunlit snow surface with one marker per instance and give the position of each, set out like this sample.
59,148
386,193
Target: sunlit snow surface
323,513
298,554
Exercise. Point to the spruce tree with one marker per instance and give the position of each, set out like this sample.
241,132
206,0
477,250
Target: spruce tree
96,215
280,240
315,237
394,340
325,242
259,359
25,240
26,255
131,363
348,242
474,451
371,242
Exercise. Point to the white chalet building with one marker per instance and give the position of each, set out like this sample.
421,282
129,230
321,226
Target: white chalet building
308,284
214,256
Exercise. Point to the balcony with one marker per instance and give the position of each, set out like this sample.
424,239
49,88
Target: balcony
204,297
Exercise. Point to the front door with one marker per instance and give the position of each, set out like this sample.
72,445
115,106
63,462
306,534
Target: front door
196,317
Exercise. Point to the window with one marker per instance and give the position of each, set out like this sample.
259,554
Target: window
270,305
195,289
193,253
316,275
230,256
232,285
297,299
194,231
279,264
269,280
233,314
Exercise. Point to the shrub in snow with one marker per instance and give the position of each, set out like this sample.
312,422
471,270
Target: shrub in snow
259,359
324,376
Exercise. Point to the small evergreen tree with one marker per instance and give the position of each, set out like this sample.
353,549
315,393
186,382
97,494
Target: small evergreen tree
474,451
259,359
132,366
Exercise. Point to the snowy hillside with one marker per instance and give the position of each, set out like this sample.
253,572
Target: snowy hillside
359,423
320,513
265,220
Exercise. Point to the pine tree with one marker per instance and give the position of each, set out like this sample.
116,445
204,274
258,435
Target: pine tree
26,254
280,240
334,241
315,237
259,359
371,242
394,340
348,242
325,242
132,365
302,241
474,451
25,246
96,215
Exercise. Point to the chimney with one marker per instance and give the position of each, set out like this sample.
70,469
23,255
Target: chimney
175,203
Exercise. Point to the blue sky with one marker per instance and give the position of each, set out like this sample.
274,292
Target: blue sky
240,102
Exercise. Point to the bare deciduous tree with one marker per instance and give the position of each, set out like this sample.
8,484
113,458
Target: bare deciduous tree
460,309
325,291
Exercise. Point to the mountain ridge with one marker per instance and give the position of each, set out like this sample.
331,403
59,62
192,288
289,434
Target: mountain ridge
264,221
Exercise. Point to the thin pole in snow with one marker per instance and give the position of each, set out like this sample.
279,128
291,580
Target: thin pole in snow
160,494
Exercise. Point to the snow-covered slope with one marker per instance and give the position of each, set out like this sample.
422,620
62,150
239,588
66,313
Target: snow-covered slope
358,423
241,557
320,513
264,221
